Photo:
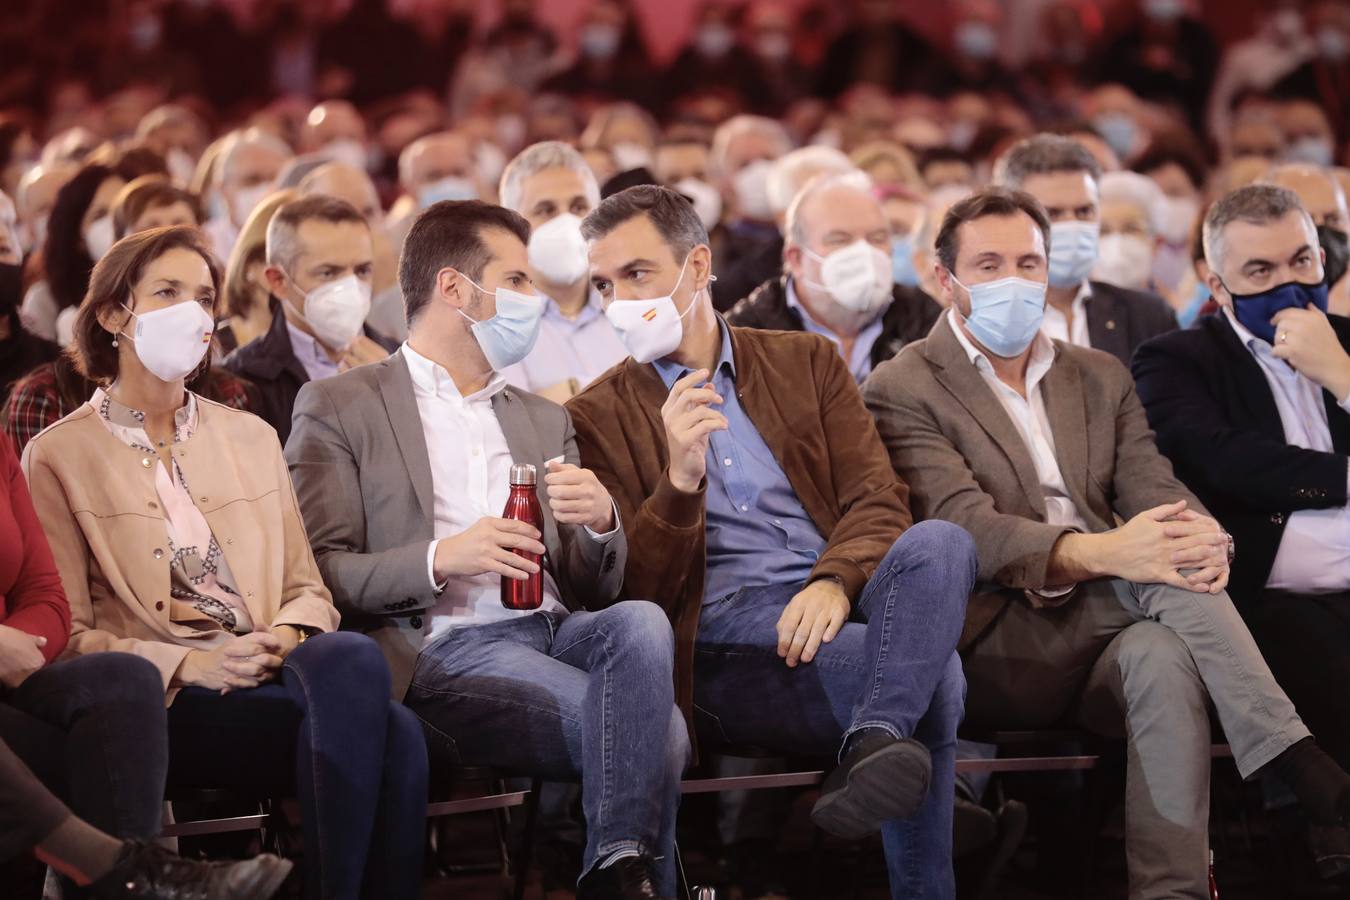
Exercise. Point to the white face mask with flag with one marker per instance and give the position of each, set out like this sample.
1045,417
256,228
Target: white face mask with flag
172,341
649,329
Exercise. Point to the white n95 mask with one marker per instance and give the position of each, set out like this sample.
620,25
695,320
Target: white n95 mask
336,311
649,329
857,277
557,251
171,342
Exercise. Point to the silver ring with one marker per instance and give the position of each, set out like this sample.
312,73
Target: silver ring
1284,337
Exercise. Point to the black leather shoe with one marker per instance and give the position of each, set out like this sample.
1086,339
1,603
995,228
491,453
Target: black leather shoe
149,872
881,778
629,878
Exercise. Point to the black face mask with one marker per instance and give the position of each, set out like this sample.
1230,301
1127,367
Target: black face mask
1336,243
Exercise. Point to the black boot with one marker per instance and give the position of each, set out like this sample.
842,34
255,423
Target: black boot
629,878
881,778
1321,786
149,872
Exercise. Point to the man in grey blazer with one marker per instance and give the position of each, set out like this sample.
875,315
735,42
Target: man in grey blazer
402,473
1038,448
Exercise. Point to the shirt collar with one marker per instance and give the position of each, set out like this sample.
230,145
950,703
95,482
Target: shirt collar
671,371
184,418
306,346
431,378
588,313
1042,352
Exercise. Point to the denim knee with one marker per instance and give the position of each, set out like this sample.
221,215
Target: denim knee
949,699
641,626
679,752
344,657
936,542
116,677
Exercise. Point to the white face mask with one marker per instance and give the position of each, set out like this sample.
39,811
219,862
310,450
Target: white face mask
1178,217
557,251
707,200
336,311
857,277
649,329
452,187
171,342
245,199
1125,260
629,155
349,151
180,165
751,185
98,237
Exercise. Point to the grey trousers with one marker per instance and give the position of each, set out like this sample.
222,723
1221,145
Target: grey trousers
1139,662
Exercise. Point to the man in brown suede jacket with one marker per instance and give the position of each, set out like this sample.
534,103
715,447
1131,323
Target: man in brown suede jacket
763,516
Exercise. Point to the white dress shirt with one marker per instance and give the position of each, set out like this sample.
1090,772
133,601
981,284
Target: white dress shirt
1056,325
583,348
1314,554
470,477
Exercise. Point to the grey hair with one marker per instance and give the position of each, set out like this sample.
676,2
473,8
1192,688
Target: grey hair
857,180
253,137
791,172
738,126
283,231
405,158
1044,154
540,157
1142,191
1256,204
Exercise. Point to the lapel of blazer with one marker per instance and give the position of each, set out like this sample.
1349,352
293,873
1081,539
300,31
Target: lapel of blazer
965,383
1337,418
522,439
1066,408
1251,381
1107,323
401,405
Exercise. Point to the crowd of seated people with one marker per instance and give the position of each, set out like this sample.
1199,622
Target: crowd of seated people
879,388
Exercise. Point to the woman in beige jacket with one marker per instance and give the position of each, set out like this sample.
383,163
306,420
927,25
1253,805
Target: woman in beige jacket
177,537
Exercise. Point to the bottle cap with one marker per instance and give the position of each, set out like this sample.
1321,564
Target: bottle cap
522,473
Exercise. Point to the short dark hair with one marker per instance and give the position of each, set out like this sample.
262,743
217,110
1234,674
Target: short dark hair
110,285
65,257
449,235
284,229
991,201
1165,151
1257,204
1045,154
146,193
670,212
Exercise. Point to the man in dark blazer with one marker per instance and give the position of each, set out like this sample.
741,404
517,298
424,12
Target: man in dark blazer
1060,173
1036,448
868,324
314,244
402,469
1250,405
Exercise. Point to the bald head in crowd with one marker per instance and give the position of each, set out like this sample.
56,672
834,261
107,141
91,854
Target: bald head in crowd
346,183
331,126
439,167
1317,189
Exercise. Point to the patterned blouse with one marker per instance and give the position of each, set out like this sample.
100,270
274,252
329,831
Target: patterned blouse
202,588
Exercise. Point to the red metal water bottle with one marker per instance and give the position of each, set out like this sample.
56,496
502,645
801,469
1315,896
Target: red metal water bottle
1213,884
523,506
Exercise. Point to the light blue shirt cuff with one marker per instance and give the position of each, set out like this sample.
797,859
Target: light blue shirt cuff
605,538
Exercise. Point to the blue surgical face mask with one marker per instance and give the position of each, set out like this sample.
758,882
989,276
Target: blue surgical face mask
1073,252
902,261
452,187
1005,315
509,336
1255,311
1118,130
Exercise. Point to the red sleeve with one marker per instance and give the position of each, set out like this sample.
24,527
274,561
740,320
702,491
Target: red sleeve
37,602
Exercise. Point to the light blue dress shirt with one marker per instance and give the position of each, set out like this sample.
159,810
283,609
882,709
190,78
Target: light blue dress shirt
758,531
861,364
315,361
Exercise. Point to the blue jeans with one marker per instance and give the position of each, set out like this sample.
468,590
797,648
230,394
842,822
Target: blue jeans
327,730
894,667
588,695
